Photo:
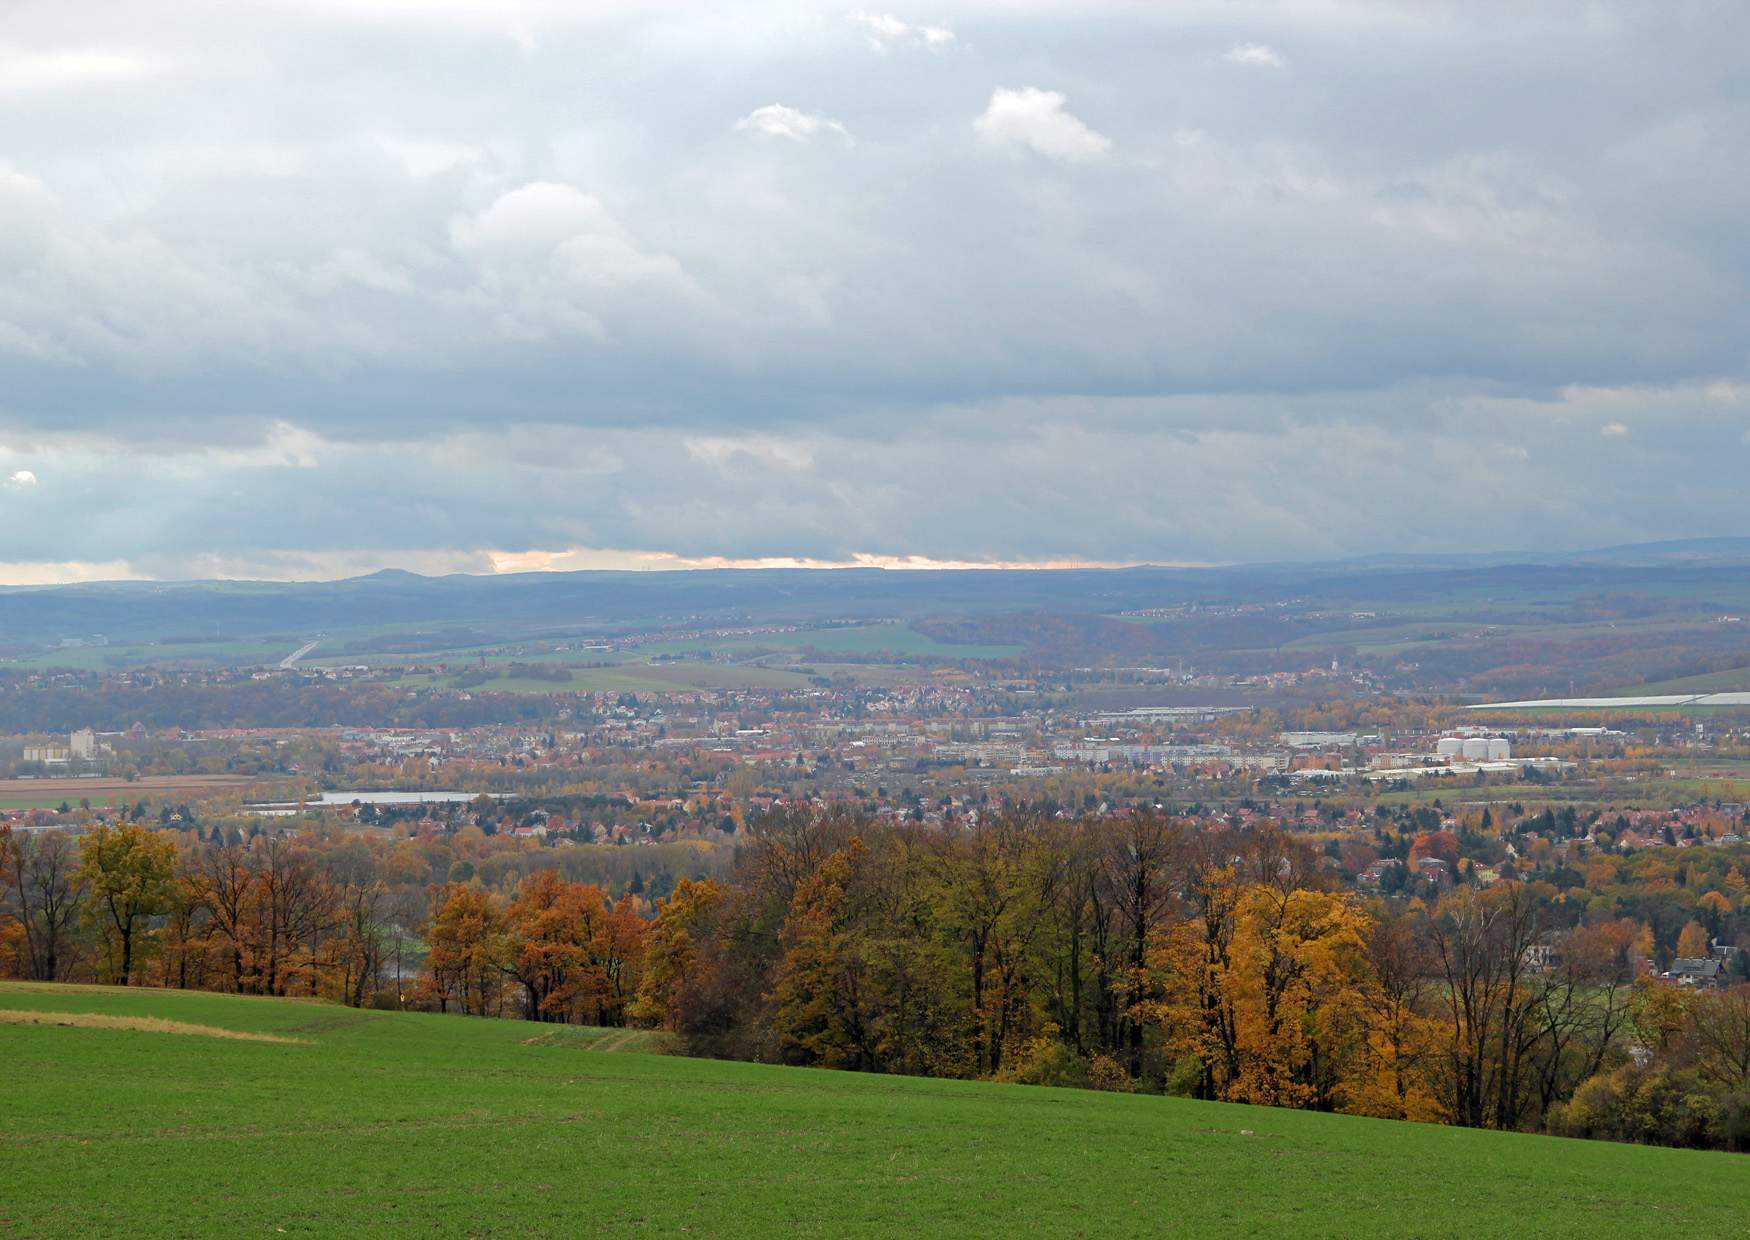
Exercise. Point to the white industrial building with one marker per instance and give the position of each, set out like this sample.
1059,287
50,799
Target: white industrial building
1474,748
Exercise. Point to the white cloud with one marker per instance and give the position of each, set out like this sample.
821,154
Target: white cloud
425,157
21,478
26,69
886,31
881,26
531,219
553,259
780,121
1255,55
762,450
550,230
1613,430
1037,120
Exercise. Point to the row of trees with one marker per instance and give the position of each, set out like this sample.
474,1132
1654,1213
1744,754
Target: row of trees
560,951
1130,952
126,904
1138,952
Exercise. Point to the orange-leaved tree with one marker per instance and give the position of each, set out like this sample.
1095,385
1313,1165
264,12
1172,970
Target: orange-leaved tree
1692,942
466,941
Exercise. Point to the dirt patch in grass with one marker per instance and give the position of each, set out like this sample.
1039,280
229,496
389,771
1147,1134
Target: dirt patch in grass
590,1038
140,1024
334,1023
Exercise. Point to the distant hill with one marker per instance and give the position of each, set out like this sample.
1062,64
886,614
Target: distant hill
616,601
1676,552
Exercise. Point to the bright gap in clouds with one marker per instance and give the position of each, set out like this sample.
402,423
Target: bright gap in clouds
664,561
335,566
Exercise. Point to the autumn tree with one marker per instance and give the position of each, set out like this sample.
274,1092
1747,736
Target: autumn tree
1692,942
817,1018
1720,1031
549,927
1403,1040
997,887
1659,1014
42,898
672,944
467,947
1265,988
126,873
222,881
1582,1004
186,943
1192,962
617,954
294,907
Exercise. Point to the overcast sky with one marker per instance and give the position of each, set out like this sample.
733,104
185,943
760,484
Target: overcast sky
310,287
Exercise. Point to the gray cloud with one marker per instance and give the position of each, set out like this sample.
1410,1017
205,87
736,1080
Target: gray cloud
1113,281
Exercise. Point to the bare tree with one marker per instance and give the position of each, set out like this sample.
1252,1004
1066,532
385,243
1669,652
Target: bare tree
1481,943
39,874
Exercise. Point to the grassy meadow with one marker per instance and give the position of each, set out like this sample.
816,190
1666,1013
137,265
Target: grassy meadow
131,1113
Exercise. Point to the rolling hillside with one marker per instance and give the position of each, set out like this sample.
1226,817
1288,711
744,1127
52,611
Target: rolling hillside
170,1113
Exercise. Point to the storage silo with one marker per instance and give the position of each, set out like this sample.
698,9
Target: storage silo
1499,749
1449,747
1476,749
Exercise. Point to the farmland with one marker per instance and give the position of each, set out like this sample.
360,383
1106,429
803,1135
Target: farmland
785,658
778,660
117,1123
31,793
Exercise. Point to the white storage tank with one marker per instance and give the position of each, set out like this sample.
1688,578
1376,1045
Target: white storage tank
1476,749
1499,749
1449,747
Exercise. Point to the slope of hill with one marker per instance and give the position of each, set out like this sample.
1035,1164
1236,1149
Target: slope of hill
133,1113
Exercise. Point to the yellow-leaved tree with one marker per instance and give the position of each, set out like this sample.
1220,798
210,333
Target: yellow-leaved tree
1301,971
1403,1041
1265,989
126,872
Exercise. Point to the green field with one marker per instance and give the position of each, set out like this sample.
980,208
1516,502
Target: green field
385,1123
865,639
630,670
762,661
55,800
218,653
1730,680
